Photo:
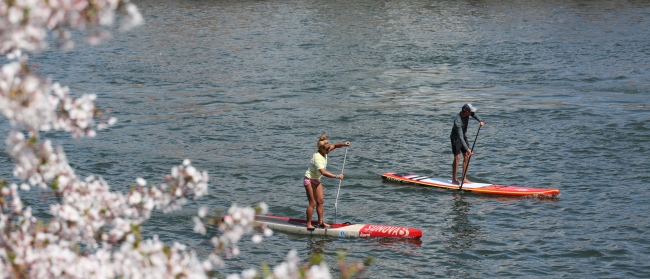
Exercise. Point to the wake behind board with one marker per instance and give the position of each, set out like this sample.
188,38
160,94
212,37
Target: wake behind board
479,188
297,226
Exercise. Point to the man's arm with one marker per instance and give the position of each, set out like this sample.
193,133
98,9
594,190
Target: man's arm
459,132
475,116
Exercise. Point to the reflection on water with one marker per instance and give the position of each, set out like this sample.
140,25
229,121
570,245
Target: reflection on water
407,246
396,241
463,232
554,200
317,245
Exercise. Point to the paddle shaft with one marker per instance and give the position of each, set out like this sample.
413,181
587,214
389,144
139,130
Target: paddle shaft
468,159
339,190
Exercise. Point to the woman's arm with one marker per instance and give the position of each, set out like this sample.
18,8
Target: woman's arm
339,145
326,173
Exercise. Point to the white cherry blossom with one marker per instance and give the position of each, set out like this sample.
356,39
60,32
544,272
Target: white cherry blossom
93,232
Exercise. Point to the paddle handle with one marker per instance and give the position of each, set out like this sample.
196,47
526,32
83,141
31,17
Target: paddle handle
468,159
339,190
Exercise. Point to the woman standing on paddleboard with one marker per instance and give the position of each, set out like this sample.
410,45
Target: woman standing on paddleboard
312,184
459,139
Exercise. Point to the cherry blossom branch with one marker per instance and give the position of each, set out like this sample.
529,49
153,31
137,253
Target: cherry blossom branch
93,232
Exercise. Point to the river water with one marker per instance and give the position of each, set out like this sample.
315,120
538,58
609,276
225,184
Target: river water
244,89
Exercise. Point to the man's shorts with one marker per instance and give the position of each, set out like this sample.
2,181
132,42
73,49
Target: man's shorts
308,181
457,146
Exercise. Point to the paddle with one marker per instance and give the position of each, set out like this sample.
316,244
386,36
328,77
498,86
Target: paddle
468,159
339,190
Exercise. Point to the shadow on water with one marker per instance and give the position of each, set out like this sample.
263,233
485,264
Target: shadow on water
463,233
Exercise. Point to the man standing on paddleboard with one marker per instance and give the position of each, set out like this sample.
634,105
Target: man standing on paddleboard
311,181
459,139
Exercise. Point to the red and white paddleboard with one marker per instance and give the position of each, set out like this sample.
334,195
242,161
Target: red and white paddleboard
479,188
297,226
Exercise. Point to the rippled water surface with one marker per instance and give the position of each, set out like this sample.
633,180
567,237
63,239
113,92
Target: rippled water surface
244,89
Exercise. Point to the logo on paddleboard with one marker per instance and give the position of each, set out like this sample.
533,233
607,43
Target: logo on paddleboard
383,231
342,234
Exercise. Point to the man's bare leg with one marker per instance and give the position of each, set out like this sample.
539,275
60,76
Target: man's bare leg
454,169
465,164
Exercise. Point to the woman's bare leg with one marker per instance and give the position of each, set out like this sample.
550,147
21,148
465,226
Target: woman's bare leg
320,198
310,207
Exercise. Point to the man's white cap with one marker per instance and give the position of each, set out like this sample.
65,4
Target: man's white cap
469,107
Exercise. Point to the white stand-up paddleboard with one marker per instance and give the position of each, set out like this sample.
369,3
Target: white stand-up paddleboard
479,188
297,226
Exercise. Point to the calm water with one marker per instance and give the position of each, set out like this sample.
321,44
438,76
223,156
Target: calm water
244,89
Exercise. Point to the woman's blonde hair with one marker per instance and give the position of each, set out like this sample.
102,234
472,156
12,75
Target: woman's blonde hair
322,141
